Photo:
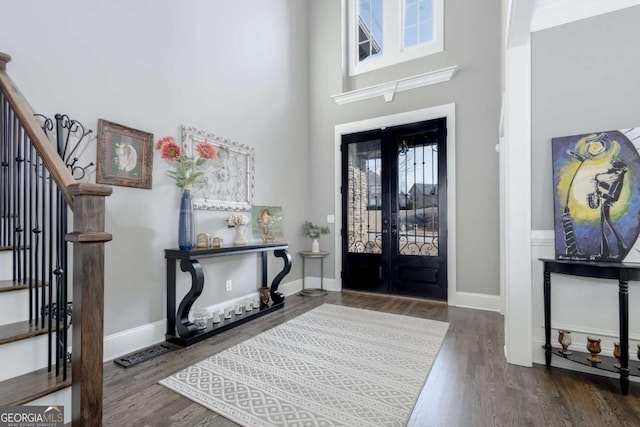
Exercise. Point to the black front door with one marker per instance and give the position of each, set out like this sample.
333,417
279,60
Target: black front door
394,210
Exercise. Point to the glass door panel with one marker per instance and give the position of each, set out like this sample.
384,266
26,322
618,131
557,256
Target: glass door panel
364,197
418,209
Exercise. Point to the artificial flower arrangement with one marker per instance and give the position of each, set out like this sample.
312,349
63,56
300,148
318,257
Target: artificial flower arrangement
313,231
188,168
236,219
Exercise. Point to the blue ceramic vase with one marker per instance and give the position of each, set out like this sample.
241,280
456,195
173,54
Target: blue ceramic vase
186,223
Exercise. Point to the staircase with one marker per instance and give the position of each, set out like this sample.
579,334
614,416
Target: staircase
37,278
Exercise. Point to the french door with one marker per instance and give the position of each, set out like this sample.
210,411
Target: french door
394,198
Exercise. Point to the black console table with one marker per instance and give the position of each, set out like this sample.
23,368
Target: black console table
184,332
623,273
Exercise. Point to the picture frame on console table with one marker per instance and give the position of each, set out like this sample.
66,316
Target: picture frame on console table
596,195
124,156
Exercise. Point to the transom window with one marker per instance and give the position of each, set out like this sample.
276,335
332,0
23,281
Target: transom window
386,32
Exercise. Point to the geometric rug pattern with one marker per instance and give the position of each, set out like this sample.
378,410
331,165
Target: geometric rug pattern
331,366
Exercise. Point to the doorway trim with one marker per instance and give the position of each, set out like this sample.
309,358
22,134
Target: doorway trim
447,111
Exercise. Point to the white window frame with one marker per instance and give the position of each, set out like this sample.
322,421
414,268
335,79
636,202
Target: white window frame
392,34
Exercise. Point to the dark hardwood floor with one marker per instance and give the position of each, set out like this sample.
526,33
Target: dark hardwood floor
470,383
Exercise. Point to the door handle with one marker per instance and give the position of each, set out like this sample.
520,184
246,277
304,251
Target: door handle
380,272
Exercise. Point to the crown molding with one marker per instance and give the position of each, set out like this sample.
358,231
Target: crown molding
389,89
552,13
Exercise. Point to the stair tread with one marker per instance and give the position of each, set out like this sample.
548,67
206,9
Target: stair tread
10,285
31,386
18,331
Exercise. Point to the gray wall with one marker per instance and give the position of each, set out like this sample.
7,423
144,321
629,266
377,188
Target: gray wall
585,78
235,68
472,42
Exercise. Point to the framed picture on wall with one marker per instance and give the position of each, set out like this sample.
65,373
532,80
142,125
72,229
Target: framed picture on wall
229,182
124,156
596,183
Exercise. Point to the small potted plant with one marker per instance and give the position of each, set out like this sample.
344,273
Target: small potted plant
314,231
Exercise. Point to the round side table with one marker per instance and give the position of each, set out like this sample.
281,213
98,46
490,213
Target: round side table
313,292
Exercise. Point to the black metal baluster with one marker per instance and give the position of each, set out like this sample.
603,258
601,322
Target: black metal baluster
16,201
50,270
4,191
29,217
36,236
64,257
23,205
58,274
62,142
43,247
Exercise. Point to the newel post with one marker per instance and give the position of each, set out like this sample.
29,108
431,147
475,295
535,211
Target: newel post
88,238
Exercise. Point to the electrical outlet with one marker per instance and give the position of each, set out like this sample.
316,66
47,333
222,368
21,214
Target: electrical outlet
229,285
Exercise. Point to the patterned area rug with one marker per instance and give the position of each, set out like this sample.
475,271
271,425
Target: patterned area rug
332,366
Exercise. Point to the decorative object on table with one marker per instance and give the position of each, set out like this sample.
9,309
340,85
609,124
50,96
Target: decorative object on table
248,306
596,178
217,242
215,317
239,222
267,223
617,355
124,156
239,308
229,180
186,222
256,303
264,296
593,346
314,231
564,338
188,173
202,241
228,311
200,317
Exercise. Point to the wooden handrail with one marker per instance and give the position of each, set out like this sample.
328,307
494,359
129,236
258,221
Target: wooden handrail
59,172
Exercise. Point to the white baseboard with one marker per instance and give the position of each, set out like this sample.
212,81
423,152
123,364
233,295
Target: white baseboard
478,301
125,342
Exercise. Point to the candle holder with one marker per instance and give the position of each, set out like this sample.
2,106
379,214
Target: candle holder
264,296
200,317
564,338
616,354
593,346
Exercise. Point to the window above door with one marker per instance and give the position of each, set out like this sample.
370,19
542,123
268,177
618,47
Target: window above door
387,32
